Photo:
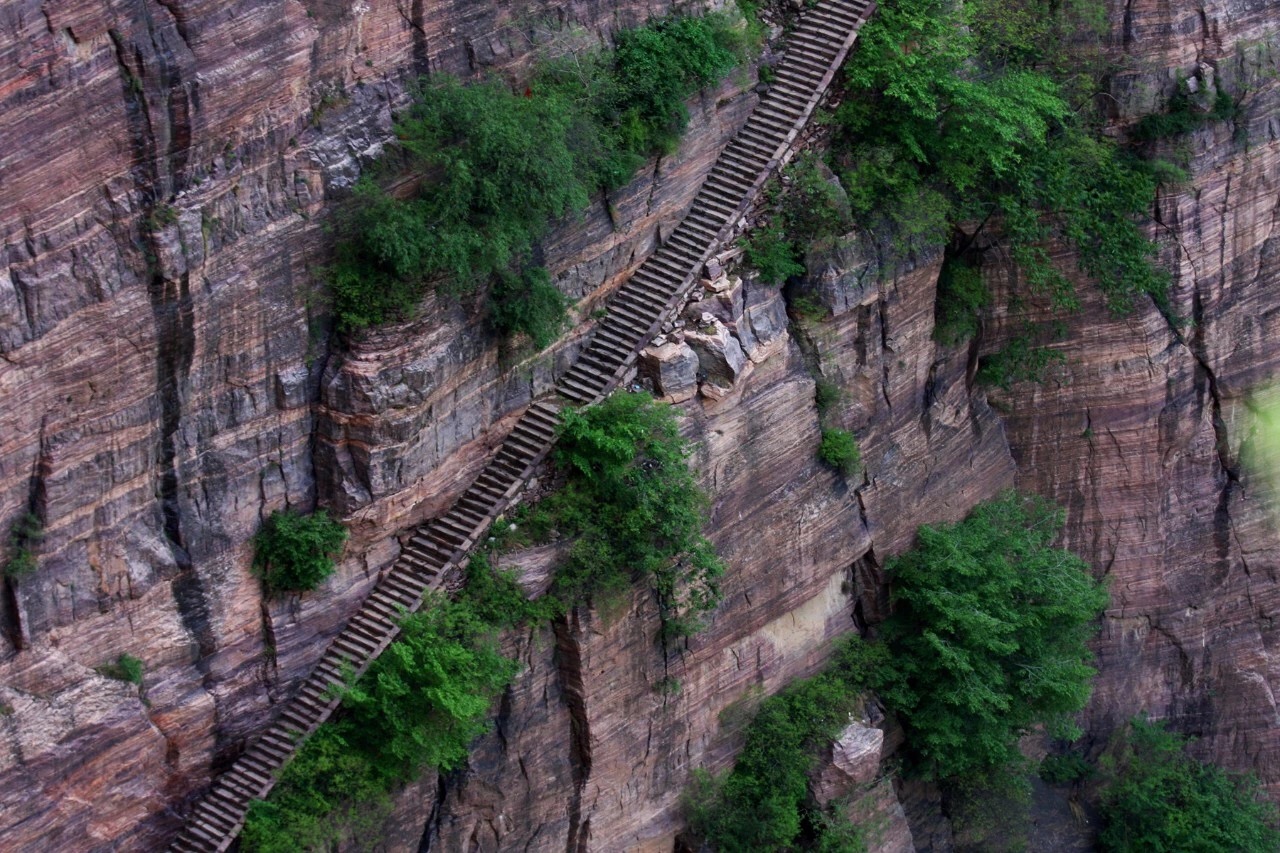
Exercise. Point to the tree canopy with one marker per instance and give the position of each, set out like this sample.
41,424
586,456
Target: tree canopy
988,635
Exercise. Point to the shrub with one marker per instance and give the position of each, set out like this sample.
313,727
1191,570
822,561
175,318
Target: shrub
826,396
988,636
1065,768
763,803
1155,797
491,168
839,449
772,254
962,294
125,668
420,704
658,66
294,552
975,124
528,304
25,534
1182,116
1018,361
808,206
633,509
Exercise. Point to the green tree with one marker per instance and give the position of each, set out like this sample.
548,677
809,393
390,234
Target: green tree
839,449
25,534
1156,798
420,704
485,170
988,635
963,114
763,803
633,509
294,552
529,304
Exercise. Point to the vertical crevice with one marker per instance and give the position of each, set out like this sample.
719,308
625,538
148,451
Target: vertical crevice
173,321
25,532
421,53
569,671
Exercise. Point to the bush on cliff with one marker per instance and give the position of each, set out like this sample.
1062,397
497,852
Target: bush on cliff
633,509
839,449
294,552
963,118
988,636
24,535
1155,798
420,704
488,168
763,803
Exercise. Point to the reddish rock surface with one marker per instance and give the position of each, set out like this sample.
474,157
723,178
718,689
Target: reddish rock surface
166,175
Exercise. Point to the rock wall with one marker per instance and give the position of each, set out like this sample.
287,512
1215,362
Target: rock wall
1140,433
168,380
597,739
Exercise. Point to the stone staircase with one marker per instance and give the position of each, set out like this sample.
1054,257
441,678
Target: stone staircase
436,552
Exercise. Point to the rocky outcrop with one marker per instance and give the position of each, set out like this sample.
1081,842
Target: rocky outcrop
604,707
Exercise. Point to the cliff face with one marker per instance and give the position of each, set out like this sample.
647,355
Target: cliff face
1140,433
607,721
167,381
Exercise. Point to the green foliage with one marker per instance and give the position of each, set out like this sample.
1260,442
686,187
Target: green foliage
496,599
763,802
772,254
328,793
24,535
1065,768
987,636
528,304
961,113
491,168
827,395
424,699
658,67
420,704
962,294
1157,798
1182,115
811,201
126,667
839,449
294,552
1018,361
632,508
806,206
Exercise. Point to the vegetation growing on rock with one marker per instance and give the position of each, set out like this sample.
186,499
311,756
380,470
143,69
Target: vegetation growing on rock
980,122
633,510
764,802
491,168
988,636
24,535
420,705
1155,797
839,449
295,552
125,667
